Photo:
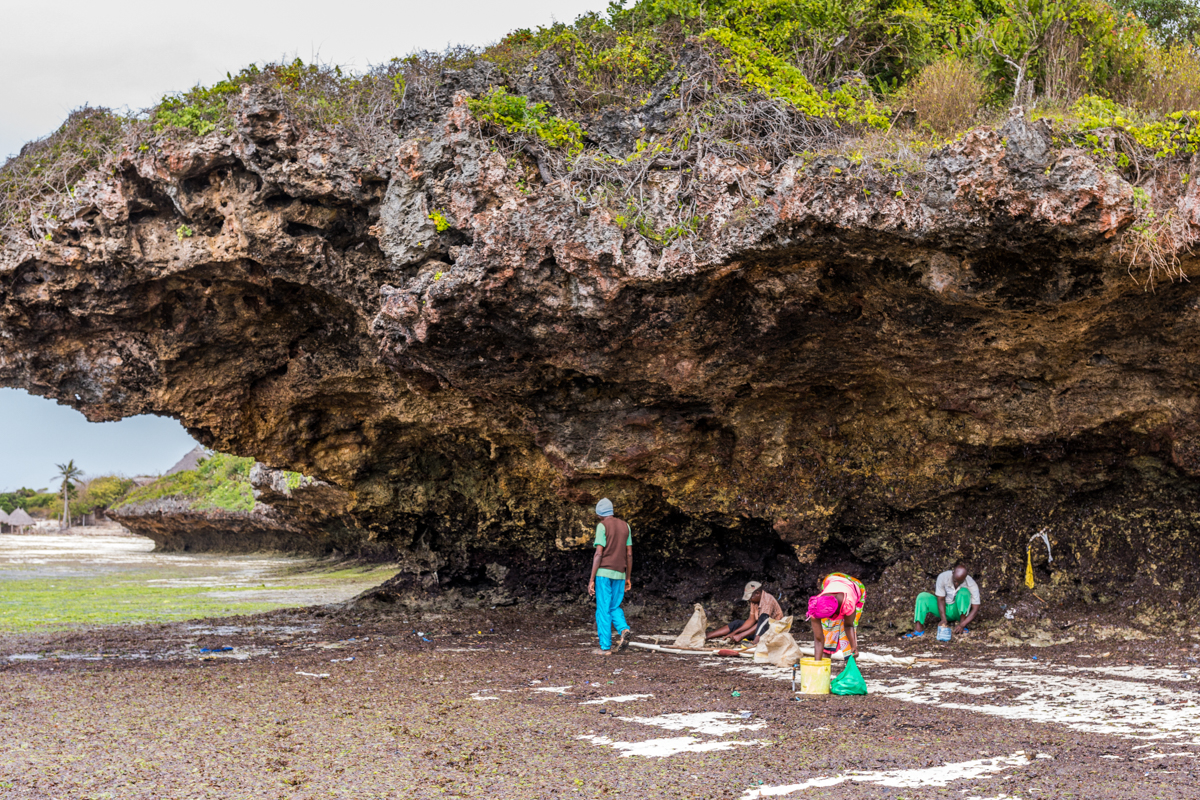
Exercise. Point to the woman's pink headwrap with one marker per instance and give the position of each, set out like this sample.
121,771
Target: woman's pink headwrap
822,606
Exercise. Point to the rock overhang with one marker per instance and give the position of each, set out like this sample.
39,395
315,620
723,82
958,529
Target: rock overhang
832,367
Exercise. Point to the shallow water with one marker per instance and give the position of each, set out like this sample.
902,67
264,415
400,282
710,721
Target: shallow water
52,581
53,555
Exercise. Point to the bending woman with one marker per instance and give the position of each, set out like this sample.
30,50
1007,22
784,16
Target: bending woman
840,602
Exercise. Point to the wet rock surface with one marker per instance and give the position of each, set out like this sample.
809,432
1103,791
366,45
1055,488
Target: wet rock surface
835,371
316,702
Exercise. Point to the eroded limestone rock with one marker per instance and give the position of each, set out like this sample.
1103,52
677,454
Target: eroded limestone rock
831,371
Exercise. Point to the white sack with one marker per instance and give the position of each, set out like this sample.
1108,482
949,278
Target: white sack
693,632
777,646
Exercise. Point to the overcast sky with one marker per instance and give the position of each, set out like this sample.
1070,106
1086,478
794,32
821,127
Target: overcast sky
125,54
36,434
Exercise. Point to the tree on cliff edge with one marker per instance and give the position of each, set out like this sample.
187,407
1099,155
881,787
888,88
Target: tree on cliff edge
69,474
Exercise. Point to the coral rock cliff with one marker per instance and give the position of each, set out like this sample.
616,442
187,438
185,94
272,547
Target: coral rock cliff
832,370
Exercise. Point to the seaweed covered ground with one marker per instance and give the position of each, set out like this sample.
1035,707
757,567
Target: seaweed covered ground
506,704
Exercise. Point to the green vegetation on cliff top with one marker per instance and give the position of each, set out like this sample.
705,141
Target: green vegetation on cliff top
1129,69
219,482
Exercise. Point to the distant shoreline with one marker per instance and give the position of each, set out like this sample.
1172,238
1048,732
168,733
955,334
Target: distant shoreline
79,530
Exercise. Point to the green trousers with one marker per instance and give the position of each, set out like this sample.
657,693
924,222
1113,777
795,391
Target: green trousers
927,604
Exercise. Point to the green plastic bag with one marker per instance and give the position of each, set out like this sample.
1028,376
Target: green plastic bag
849,680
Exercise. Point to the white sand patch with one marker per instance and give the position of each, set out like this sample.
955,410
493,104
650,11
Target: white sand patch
1132,672
1136,673
313,674
761,670
553,689
711,723
661,748
878,658
624,698
196,583
482,696
1092,705
1045,693
1167,755
902,778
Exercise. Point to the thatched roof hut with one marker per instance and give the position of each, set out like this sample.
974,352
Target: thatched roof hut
191,460
20,518
4,517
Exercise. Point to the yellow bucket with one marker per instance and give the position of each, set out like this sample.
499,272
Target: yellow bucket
814,676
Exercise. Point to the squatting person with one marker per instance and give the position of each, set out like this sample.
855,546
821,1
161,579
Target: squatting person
612,565
955,597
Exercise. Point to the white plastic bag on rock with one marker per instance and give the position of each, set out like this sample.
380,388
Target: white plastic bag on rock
693,632
777,646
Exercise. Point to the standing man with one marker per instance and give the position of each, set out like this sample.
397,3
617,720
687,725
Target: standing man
955,597
611,567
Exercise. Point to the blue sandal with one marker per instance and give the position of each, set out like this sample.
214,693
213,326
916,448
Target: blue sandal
913,635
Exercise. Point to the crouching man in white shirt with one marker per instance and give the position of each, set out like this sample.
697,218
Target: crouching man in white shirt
955,598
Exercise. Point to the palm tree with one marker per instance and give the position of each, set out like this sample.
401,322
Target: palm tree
69,474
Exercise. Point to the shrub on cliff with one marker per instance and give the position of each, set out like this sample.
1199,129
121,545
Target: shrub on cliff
946,95
201,109
519,115
38,186
1173,81
316,94
100,493
1172,22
